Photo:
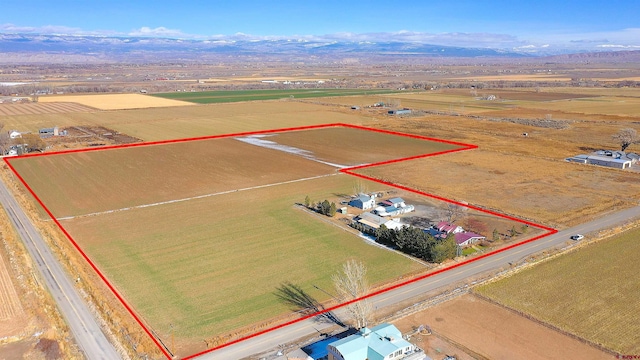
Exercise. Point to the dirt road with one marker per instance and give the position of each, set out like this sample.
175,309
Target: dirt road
83,325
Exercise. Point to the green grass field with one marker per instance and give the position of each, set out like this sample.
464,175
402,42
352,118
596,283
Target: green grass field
592,293
212,265
211,97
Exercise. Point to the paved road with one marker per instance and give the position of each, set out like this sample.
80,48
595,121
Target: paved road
83,325
287,334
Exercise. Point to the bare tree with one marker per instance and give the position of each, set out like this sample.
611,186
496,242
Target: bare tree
626,137
454,212
351,284
360,187
5,140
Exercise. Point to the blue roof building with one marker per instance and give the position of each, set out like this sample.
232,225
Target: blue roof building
363,202
383,342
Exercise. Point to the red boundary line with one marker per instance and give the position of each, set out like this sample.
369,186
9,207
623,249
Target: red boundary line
350,171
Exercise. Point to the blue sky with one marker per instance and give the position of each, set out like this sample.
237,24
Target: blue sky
495,23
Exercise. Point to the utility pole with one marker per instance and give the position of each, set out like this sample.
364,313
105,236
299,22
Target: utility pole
173,345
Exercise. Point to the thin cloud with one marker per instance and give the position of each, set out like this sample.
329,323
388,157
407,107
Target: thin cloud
51,30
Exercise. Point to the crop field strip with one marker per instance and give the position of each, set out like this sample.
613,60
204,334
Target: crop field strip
42,108
604,307
133,312
211,97
115,101
167,123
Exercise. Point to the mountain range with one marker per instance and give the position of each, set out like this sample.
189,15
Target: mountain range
120,48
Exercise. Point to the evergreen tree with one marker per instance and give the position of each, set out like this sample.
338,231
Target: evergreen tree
332,209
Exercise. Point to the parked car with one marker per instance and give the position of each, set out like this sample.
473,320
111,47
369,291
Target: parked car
577,237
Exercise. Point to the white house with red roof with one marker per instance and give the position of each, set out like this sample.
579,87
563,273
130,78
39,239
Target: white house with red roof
467,238
462,237
449,227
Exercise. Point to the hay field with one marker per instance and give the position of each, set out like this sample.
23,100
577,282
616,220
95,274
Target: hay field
83,183
348,146
40,109
591,292
212,265
191,121
115,101
551,192
428,101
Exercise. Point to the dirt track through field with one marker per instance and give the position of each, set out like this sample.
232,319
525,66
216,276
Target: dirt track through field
195,197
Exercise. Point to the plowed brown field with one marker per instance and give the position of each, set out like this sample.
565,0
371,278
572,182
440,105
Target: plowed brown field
493,332
42,108
88,182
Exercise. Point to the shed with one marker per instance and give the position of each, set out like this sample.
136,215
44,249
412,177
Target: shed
373,222
395,202
49,132
609,161
582,159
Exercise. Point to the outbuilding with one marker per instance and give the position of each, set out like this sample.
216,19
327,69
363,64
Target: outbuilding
609,161
404,111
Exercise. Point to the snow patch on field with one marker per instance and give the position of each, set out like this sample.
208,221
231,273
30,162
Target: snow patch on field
258,140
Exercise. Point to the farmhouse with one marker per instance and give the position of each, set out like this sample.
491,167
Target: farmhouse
363,202
373,222
462,237
449,227
381,342
467,238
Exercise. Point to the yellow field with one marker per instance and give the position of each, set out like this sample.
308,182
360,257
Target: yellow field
591,292
115,101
